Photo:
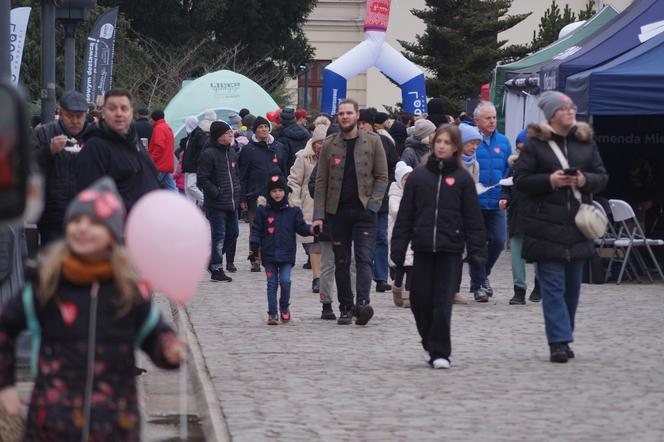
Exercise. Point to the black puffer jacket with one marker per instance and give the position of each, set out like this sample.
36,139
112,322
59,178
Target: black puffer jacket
392,160
517,203
218,177
439,212
414,152
549,228
257,160
294,138
197,141
106,153
59,171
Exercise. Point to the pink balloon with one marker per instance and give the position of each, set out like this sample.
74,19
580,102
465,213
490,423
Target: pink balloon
168,239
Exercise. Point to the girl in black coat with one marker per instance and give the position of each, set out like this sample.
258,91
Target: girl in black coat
439,215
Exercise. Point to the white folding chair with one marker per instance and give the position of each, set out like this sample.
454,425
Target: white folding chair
631,239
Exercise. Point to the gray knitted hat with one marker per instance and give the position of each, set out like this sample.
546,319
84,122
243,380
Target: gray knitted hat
551,101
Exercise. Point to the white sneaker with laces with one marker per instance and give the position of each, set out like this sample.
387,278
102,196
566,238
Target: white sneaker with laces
441,363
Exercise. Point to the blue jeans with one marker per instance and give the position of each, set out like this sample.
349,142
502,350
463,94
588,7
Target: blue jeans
278,275
166,181
225,230
560,285
380,249
494,223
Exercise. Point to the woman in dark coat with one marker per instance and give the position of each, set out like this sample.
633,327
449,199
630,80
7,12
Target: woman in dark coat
439,215
551,237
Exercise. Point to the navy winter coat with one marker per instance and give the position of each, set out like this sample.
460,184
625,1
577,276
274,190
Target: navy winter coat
257,160
493,159
294,138
274,232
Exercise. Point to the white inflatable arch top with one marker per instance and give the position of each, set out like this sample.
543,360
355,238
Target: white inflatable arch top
374,52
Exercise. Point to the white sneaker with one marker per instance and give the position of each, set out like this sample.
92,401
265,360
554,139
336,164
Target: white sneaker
441,363
426,356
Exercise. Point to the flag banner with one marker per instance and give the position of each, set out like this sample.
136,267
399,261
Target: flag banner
97,74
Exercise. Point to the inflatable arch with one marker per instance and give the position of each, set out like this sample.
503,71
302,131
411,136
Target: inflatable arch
374,52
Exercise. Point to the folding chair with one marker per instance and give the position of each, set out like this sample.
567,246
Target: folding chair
608,241
631,239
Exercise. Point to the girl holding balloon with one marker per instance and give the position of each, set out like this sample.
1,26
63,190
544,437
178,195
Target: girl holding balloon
87,313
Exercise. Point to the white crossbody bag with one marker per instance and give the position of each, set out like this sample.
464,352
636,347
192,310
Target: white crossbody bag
589,219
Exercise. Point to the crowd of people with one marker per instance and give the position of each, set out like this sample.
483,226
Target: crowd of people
372,200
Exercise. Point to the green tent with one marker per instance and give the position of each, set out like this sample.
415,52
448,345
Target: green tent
543,55
225,92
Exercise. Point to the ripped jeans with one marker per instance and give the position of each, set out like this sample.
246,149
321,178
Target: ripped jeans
351,227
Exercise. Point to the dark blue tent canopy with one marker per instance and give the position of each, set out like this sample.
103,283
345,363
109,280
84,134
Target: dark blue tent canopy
616,38
632,84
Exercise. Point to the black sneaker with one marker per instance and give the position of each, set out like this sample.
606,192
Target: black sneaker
255,267
328,313
363,313
569,352
345,318
382,287
486,286
519,296
480,296
558,353
315,285
230,267
535,295
220,276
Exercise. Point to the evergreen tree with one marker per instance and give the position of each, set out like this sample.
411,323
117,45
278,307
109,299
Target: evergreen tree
460,45
553,21
588,11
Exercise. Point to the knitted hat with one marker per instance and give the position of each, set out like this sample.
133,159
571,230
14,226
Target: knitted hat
101,202
244,112
276,181
381,118
301,113
190,123
287,116
236,120
367,116
401,170
423,128
320,133
217,129
259,121
551,101
522,137
469,133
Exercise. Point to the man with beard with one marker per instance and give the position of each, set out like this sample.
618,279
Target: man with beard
56,147
351,181
113,149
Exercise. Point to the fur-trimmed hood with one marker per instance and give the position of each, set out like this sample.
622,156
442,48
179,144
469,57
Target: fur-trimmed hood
512,159
308,150
542,131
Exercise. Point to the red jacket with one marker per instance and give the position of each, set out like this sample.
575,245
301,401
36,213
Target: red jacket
162,146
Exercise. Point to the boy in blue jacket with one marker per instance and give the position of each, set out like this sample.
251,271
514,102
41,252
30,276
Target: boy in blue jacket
273,234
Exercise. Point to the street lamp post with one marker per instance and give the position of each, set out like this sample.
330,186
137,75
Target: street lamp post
70,55
5,68
47,61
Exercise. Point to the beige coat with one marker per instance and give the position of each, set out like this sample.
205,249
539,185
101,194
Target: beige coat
298,181
370,167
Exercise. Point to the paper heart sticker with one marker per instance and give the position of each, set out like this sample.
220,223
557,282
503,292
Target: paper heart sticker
337,161
450,181
69,312
497,149
275,160
270,230
270,219
269,274
275,178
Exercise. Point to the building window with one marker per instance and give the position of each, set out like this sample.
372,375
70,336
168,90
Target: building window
310,85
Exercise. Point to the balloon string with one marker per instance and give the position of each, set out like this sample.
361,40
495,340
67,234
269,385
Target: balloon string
183,386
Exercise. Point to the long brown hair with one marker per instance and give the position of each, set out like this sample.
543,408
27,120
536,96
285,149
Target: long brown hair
123,273
455,136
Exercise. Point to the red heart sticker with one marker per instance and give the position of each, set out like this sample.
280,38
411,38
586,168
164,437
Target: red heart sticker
450,181
496,149
269,274
337,161
275,160
275,179
233,165
270,230
270,219
69,312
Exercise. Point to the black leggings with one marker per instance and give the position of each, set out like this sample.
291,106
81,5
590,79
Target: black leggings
398,276
435,277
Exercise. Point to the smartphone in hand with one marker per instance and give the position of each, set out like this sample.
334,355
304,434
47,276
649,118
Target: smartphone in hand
571,171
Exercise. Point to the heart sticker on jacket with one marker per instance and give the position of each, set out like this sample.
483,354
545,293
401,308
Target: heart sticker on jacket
275,178
69,312
450,181
497,149
337,161
270,219
270,230
275,160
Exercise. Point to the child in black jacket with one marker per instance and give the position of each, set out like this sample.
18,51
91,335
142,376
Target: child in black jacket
273,234
439,215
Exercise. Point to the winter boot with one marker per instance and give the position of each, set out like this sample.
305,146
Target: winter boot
315,285
519,296
558,352
535,295
405,299
397,293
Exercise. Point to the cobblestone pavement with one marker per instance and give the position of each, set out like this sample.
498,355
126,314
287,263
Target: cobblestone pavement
315,380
